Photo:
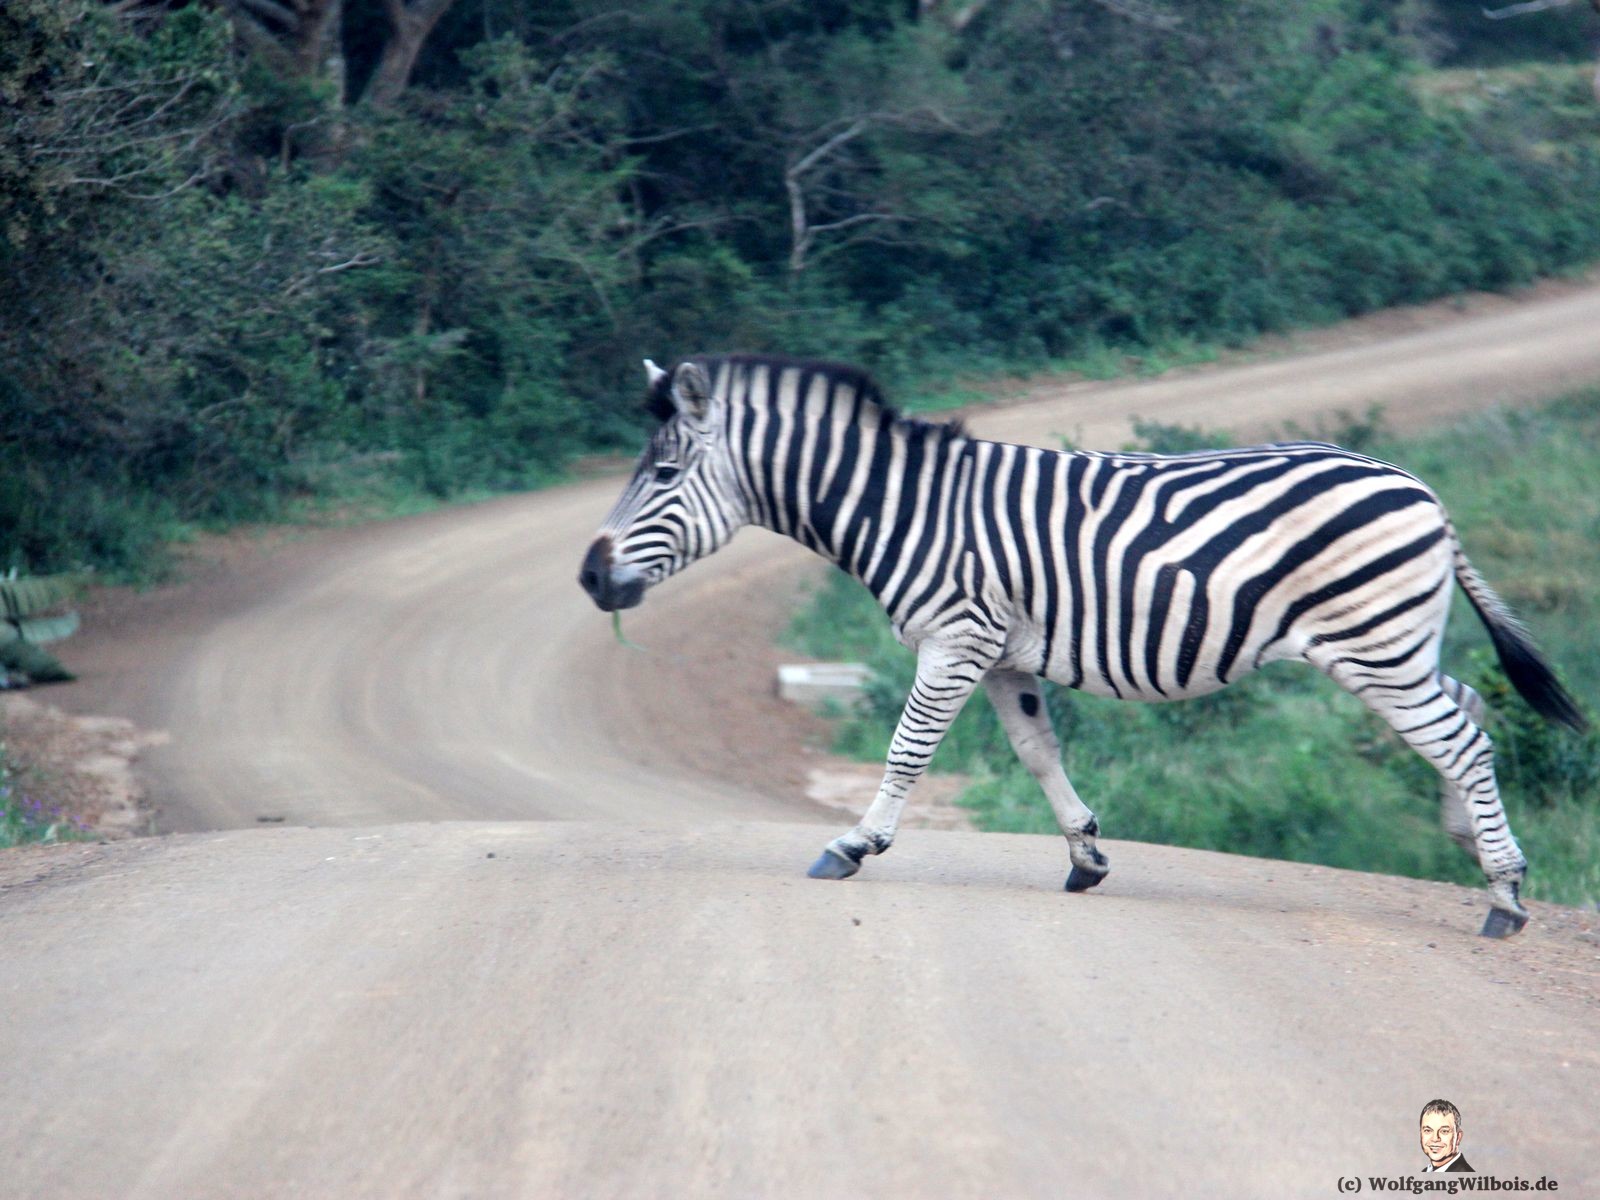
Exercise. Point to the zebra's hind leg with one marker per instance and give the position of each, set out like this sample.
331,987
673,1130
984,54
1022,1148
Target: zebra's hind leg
1433,715
946,676
1452,804
1016,698
1453,814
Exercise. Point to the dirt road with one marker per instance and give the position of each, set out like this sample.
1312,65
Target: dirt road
606,975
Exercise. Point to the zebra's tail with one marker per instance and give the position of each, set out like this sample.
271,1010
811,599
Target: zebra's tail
1525,666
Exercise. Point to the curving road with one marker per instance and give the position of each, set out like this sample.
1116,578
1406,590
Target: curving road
465,899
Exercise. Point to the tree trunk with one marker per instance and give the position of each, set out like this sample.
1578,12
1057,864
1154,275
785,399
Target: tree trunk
409,27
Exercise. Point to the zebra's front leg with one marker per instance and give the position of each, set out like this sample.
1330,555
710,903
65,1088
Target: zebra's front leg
945,678
1018,701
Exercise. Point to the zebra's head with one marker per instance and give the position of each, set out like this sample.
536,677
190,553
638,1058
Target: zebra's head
682,502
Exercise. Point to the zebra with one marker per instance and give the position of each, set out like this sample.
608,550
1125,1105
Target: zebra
1138,576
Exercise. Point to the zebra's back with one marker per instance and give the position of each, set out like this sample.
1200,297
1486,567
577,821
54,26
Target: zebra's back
1156,577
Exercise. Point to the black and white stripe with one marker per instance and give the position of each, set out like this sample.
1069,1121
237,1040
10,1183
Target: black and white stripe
1139,576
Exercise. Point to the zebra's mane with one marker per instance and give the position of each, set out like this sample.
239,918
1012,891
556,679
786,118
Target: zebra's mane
659,399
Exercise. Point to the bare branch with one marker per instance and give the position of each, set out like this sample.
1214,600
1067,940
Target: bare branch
146,197
855,130
165,106
1517,10
801,233
361,258
670,135
835,136
858,219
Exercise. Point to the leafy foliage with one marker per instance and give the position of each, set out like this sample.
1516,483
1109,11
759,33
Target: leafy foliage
236,278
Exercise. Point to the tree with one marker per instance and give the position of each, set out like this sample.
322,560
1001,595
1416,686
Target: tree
303,41
852,116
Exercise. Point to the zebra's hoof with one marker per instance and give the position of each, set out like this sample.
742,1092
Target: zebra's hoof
833,865
1079,880
1500,923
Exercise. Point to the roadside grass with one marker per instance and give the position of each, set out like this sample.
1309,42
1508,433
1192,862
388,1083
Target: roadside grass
970,380
149,538
1284,764
24,819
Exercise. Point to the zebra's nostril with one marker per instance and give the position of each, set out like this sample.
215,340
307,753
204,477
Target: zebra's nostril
596,563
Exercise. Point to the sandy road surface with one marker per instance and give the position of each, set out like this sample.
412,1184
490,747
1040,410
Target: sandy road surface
607,975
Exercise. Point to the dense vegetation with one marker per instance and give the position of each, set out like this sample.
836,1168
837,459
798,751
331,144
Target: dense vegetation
1286,765
252,251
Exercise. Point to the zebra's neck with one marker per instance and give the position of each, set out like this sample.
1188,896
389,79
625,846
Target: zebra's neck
847,478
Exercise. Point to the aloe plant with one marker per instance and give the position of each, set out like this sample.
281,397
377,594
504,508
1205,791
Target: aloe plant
30,618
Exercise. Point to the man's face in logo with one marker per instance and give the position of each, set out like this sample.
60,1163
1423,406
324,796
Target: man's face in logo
1440,1137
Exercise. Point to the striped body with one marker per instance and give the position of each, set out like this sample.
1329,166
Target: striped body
1159,578
1145,577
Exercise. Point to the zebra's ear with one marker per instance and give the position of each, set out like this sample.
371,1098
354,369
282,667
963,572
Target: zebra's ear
691,391
657,400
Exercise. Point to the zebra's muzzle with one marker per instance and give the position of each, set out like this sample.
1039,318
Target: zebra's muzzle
610,587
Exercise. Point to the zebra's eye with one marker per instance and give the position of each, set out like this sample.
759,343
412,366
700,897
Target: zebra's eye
666,472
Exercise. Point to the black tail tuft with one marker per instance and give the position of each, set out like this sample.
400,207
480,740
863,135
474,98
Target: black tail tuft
1532,676
1525,667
